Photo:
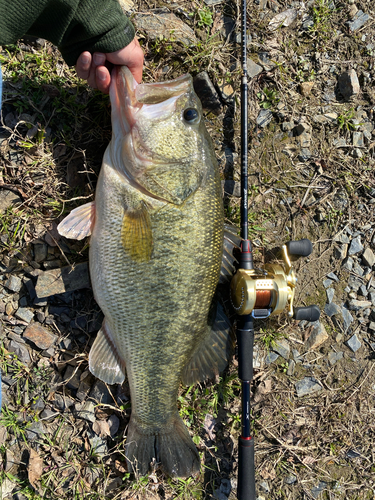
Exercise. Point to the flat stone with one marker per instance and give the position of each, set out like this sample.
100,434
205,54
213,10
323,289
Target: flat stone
356,305
347,317
10,460
359,19
372,326
306,88
127,6
20,350
349,84
297,356
161,23
368,257
332,309
372,298
34,431
355,283
285,18
40,336
317,336
353,343
253,69
307,385
264,118
327,282
66,279
100,393
98,444
72,377
291,479
8,199
114,424
341,251
282,348
317,490
330,294
24,314
206,92
291,367
333,357
83,390
355,246
40,252
13,283
333,277
271,357
86,411
358,141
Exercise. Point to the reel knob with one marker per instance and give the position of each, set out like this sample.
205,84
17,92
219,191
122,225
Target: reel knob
300,248
310,313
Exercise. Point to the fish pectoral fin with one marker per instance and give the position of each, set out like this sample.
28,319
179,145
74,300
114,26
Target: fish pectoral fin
104,361
231,241
136,234
211,356
79,223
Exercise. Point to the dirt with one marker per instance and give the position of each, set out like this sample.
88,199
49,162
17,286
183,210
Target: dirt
54,133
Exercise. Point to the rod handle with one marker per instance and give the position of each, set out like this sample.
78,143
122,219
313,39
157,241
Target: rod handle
310,313
300,248
246,469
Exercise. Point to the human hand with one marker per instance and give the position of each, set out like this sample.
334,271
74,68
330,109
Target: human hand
92,67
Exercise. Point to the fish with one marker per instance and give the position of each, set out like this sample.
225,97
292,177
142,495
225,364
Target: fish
158,250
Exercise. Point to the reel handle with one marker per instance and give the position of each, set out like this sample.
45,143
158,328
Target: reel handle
300,248
310,313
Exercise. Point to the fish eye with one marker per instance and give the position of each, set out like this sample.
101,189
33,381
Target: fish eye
191,115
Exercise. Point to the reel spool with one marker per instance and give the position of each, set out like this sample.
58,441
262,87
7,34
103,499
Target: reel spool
265,292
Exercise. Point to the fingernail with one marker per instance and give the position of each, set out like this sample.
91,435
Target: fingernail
85,59
99,59
101,74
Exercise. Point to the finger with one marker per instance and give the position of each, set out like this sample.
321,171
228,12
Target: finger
99,59
83,65
103,79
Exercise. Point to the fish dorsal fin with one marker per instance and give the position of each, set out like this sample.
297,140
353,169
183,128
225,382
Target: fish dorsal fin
212,355
231,241
104,361
136,234
79,223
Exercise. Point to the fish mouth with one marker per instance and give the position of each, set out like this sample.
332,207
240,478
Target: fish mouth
153,100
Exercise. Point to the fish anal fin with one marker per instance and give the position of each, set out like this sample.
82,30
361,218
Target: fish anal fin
104,361
212,355
79,223
136,234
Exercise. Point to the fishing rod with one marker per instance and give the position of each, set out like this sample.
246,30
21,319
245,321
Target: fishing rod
257,294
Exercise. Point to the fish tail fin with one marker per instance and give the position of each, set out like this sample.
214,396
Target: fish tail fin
170,447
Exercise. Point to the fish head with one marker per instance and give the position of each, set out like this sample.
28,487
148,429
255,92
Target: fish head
159,141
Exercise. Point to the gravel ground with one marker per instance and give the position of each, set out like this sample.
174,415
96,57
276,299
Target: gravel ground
311,160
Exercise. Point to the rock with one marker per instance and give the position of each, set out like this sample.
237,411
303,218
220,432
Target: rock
347,317
317,490
127,6
282,348
114,424
330,294
306,88
271,357
8,199
355,246
86,411
307,385
13,283
359,19
368,257
284,18
253,69
291,479
100,393
297,356
21,351
24,314
34,431
161,23
358,141
305,155
207,93
37,404
40,336
327,283
98,444
353,343
317,336
10,460
66,279
349,84
291,367
340,252
72,377
264,118
40,252
356,305
333,357
332,309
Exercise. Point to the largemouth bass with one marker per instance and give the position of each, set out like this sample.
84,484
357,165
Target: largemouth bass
156,251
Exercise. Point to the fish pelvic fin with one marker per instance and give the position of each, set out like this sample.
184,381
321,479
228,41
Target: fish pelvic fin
104,361
136,234
211,356
79,223
231,241
170,447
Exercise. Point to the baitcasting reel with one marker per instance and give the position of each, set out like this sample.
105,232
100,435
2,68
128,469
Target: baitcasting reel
264,292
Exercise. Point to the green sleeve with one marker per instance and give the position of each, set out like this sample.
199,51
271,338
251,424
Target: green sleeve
72,25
